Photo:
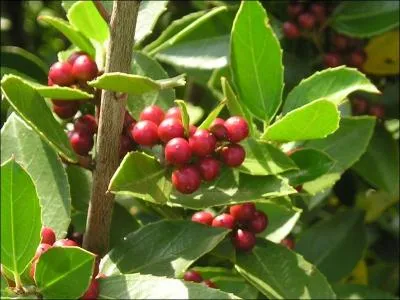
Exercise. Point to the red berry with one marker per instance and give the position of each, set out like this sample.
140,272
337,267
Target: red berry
237,129
340,42
332,60
218,129
209,168
210,284
49,81
377,110
258,223
233,155
319,11
173,112
144,133
42,248
243,212
359,105
192,276
77,237
71,59
48,236
84,68
82,142
66,111
357,59
192,130
86,123
65,243
223,220
288,243
124,145
203,217
307,21
294,9
290,30
60,73
202,142
152,113
243,240
169,129
177,151
186,179
93,290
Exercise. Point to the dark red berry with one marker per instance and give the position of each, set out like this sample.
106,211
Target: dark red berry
125,144
340,42
93,290
357,59
233,155
66,111
84,68
258,223
202,142
332,60
294,9
223,220
81,142
288,243
177,151
77,237
299,188
210,284
209,168
377,110
60,73
243,212
237,129
48,236
244,240
307,21
319,11
173,112
86,123
186,179
290,30
152,113
203,217
65,243
145,133
192,276
359,105
218,129
169,129
71,59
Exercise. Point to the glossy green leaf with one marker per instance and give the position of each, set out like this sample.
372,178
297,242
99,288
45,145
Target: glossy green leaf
212,116
64,272
231,187
32,108
185,115
44,166
165,248
314,120
146,66
330,84
137,286
149,12
282,274
312,164
379,165
324,244
255,51
264,159
367,20
354,131
75,37
142,176
135,84
84,16
20,217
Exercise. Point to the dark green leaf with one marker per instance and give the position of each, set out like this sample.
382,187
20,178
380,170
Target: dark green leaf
149,12
356,291
80,184
185,115
212,116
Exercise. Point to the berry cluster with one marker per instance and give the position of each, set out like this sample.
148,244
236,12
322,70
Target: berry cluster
192,155
194,276
48,240
361,106
244,219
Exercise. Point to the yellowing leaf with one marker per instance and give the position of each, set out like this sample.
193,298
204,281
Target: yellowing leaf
359,275
383,54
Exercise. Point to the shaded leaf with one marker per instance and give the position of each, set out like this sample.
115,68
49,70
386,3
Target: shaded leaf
149,12
357,291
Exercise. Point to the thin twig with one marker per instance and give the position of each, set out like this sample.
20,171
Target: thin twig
102,10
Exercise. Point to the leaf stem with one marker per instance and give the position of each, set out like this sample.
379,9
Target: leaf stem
102,10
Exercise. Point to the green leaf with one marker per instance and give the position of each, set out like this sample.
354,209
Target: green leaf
195,113
231,187
379,165
20,217
80,184
264,159
44,166
358,291
185,115
166,248
24,62
134,84
137,286
282,274
142,176
355,131
312,164
149,12
33,109
145,66
75,37
325,243
330,84
367,20
212,116
85,17
64,272
255,51
314,120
